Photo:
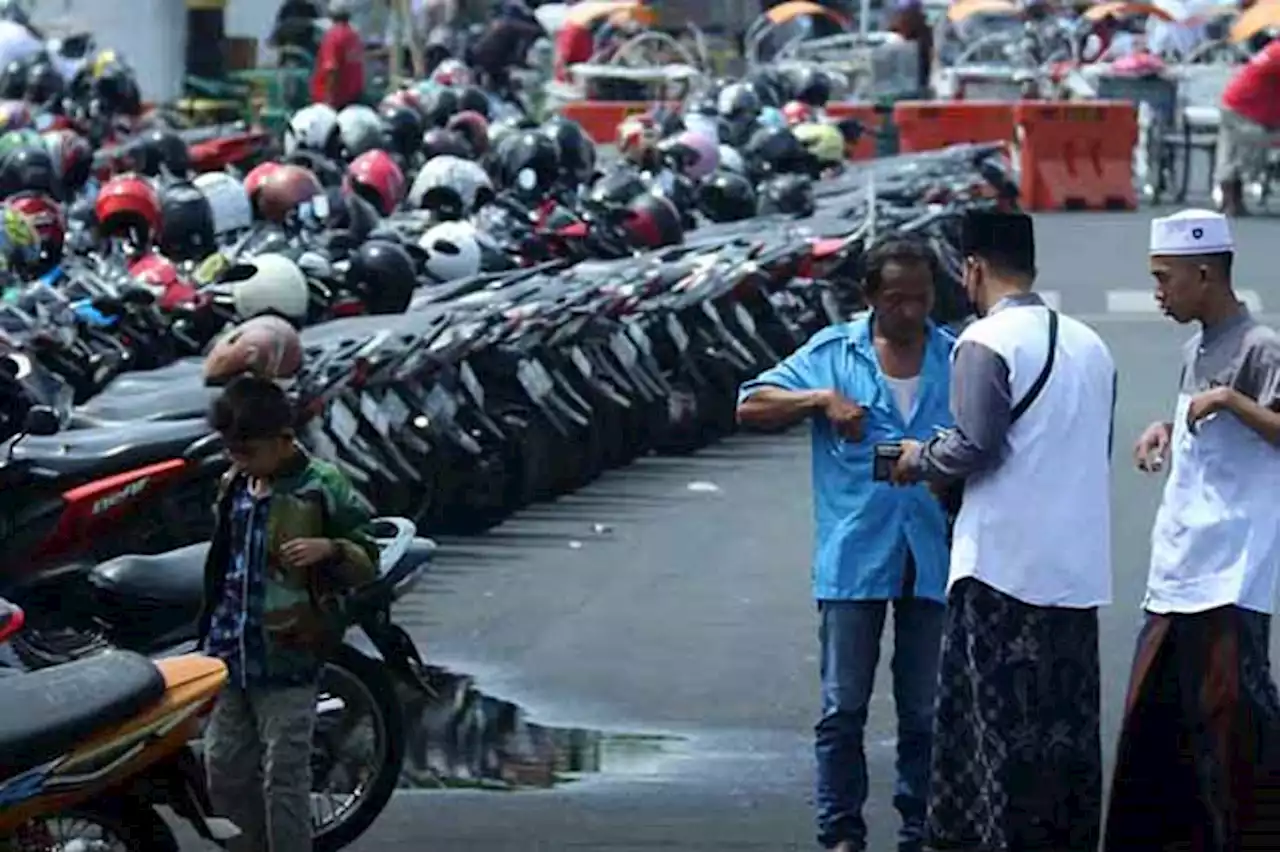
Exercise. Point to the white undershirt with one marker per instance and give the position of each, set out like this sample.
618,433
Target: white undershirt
904,394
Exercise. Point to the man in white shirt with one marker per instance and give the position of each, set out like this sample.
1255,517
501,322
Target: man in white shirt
1017,759
1198,764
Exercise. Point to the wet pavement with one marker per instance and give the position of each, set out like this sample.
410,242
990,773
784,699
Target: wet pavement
671,600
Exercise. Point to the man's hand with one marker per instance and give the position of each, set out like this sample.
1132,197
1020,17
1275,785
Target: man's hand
1206,404
308,552
905,471
846,416
1152,447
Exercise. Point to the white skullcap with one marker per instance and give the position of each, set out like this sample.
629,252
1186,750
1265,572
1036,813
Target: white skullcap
1191,232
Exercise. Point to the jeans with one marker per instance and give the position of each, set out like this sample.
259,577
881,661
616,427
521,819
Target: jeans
258,759
850,636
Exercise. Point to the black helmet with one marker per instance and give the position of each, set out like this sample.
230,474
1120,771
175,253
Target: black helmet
727,197
528,162
436,142
775,149
577,151
160,149
439,105
404,127
44,84
348,212
617,188
13,80
186,224
791,195
27,170
116,90
475,100
811,86
653,222
768,87
326,170
738,102
383,275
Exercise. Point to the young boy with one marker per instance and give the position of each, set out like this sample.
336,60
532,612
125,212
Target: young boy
290,529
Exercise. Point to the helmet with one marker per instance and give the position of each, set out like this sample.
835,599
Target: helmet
313,128
125,203
704,125
15,115
738,102
811,86
617,188
19,240
451,72
528,163
438,142
44,84
403,127
731,160
797,112
695,155
13,80
377,178
360,130
283,190
383,274
401,98
653,222
268,283
27,169
727,197
475,100
158,274
339,210
823,141
451,187
788,194
326,169
160,149
775,149
228,202
47,217
266,346
453,252
440,105
637,136
72,160
577,151
253,180
187,232
474,130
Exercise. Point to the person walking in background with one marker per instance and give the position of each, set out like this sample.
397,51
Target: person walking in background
1250,125
1017,760
881,377
338,79
909,21
1198,763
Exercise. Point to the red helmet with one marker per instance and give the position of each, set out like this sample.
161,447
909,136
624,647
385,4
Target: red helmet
253,180
265,346
375,176
797,112
473,127
128,202
158,273
46,216
402,98
72,158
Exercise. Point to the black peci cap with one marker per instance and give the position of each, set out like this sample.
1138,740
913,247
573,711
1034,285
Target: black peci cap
1006,239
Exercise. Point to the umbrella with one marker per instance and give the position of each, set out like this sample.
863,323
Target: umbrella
1125,10
1264,16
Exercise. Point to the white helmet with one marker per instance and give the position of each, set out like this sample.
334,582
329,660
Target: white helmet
731,160
312,128
360,129
268,283
703,125
452,72
453,251
451,186
228,201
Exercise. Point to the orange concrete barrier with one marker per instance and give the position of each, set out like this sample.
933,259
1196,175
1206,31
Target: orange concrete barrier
930,125
1077,156
600,119
865,147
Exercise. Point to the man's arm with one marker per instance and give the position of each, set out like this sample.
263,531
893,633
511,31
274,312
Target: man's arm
771,408
981,404
1257,401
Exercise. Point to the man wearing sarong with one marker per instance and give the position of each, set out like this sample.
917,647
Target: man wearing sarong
1198,764
1017,760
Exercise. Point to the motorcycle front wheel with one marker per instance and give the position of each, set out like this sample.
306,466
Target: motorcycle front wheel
120,825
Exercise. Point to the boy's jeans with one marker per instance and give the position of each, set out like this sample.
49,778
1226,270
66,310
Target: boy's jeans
850,636
258,756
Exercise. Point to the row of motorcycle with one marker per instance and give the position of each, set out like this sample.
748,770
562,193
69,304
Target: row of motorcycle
487,394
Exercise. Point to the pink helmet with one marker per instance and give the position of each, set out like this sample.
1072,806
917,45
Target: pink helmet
1139,65
700,155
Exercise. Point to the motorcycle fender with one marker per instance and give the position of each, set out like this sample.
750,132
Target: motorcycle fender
398,651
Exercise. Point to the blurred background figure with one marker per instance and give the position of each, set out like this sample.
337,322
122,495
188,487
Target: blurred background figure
338,79
909,21
504,45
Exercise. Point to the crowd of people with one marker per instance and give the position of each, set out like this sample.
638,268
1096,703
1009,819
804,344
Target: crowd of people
965,482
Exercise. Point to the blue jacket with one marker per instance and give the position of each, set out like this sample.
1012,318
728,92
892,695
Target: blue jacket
863,527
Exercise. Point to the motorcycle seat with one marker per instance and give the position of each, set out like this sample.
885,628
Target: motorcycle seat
48,713
179,401
174,578
101,451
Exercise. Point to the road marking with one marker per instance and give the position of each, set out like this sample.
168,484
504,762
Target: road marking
1131,302
1052,298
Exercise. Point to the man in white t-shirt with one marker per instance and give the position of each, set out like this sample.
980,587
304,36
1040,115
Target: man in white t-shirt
1198,764
1017,758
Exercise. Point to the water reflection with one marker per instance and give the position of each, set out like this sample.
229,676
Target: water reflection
466,738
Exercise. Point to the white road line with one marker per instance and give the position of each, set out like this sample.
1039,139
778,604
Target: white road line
1132,302
1052,298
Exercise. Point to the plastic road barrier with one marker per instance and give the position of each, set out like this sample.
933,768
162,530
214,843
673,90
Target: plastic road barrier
600,119
929,125
1077,156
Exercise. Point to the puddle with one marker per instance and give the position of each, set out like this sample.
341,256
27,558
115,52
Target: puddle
465,738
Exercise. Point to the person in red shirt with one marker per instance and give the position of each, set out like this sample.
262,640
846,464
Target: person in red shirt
338,79
1250,125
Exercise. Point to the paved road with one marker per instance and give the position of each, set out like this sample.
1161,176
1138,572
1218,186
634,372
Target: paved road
688,613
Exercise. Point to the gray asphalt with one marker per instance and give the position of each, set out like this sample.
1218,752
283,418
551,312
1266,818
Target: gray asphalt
688,614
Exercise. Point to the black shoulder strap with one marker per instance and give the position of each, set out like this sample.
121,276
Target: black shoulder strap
1042,379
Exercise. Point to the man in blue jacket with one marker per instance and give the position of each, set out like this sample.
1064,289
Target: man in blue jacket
879,379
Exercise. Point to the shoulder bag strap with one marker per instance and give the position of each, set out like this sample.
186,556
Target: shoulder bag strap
1042,379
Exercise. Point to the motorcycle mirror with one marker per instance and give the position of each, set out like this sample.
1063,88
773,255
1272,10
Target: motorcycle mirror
41,420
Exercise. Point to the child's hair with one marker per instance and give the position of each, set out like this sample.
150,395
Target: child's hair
250,408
